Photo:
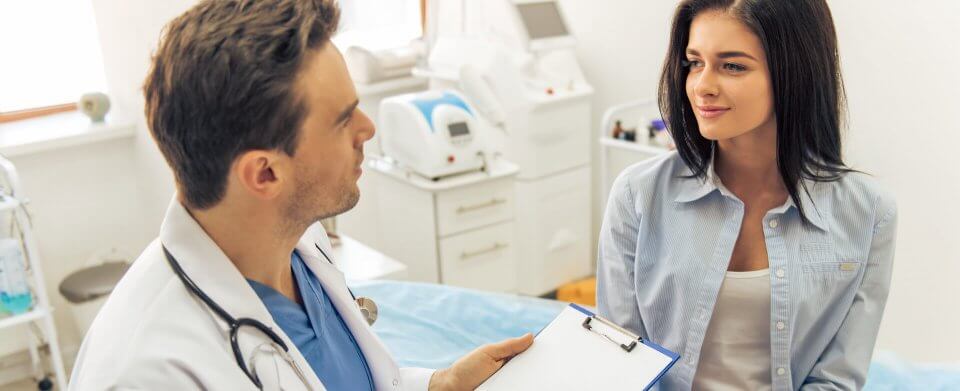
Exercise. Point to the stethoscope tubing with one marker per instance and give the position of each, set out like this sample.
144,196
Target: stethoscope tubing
234,323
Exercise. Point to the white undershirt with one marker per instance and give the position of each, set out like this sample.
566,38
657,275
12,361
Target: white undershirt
736,349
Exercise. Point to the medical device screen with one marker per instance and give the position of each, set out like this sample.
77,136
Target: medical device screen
458,129
542,20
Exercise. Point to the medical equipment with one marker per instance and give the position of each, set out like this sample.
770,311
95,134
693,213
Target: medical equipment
435,133
524,79
15,294
371,66
41,313
367,307
544,25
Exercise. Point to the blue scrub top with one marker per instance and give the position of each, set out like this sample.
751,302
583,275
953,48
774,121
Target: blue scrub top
319,332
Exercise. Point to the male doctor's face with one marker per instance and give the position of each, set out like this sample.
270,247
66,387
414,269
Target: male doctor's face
327,160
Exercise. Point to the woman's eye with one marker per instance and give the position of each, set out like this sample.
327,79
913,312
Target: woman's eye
734,67
691,63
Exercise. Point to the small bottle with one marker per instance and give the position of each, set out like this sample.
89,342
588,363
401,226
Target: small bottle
658,133
15,294
617,129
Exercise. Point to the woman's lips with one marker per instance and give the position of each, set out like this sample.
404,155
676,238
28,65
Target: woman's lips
709,112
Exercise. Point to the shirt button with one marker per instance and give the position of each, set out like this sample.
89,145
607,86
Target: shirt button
781,273
774,223
781,371
781,326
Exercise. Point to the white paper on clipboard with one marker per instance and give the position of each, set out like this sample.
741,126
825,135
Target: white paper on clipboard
568,356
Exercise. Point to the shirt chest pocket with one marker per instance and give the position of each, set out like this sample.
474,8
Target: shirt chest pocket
820,259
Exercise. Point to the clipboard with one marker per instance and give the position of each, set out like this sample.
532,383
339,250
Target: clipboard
579,350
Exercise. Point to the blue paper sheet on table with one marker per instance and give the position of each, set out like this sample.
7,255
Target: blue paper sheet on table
431,326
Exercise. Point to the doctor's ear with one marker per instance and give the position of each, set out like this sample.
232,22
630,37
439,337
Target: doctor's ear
261,173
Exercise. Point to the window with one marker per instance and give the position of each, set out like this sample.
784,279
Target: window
378,24
51,56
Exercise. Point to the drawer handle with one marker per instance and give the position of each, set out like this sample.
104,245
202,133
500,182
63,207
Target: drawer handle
496,247
470,208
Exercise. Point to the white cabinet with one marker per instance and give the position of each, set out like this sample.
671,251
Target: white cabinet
457,231
469,207
555,229
481,259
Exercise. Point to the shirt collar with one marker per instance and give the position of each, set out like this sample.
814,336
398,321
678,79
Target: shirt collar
693,188
814,203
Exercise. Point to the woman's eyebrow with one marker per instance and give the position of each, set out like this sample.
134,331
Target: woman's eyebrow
735,54
730,54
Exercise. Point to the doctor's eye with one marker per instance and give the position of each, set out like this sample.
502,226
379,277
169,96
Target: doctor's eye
736,68
346,121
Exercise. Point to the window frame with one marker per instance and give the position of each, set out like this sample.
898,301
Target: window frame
11,116
35,112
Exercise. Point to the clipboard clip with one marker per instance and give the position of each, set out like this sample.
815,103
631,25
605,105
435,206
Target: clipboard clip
627,347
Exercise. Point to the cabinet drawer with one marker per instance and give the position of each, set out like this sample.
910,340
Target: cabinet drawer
483,259
474,206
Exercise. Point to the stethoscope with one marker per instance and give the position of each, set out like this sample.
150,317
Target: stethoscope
367,307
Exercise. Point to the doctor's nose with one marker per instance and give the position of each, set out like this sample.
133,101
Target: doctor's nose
365,127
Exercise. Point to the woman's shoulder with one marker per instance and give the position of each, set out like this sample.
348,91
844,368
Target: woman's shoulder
862,194
655,176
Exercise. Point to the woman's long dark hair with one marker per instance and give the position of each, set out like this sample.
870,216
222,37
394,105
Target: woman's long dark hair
808,97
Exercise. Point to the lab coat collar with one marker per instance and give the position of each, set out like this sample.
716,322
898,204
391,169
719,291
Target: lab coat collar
207,265
383,369
814,198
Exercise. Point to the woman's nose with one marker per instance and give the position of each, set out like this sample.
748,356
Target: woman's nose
706,83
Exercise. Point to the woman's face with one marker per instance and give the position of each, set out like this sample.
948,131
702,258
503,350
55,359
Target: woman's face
728,82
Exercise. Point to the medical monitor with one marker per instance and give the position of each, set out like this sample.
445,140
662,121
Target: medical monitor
458,129
544,24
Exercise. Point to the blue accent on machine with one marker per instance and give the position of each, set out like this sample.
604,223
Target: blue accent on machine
426,105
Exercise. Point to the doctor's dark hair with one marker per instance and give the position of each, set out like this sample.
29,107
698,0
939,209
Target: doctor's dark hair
808,95
222,82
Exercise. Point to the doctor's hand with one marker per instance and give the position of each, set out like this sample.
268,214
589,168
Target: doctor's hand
474,368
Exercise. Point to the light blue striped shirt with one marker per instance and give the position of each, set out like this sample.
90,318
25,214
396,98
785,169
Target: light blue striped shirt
666,242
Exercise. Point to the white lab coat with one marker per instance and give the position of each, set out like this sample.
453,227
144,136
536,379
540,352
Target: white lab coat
152,333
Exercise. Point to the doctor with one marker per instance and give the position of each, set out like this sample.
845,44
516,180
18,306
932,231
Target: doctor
256,114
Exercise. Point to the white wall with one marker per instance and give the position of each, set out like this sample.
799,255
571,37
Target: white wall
899,61
83,200
129,33
620,45
90,198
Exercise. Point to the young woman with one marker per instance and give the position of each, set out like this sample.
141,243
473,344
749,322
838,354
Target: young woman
753,251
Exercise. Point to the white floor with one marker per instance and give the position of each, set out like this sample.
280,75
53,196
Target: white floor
23,385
